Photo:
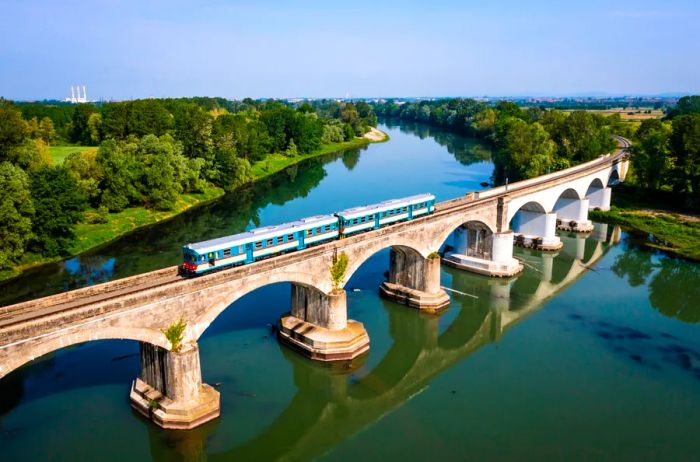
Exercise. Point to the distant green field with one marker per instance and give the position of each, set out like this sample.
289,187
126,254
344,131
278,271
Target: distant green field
59,153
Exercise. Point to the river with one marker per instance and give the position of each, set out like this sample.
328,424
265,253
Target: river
592,353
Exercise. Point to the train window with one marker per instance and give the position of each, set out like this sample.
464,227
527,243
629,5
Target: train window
269,242
227,252
309,232
290,237
328,227
280,239
258,245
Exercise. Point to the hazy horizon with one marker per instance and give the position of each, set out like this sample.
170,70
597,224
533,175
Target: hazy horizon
129,50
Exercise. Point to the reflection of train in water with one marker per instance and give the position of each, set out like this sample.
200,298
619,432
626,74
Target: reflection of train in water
259,243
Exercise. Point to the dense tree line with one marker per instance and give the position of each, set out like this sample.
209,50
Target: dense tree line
148,152
528,142
666,153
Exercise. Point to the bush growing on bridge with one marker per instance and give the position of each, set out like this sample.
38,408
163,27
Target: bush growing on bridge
174,334
340,265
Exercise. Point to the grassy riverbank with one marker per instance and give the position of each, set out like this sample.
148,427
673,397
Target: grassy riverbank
668,227
92,235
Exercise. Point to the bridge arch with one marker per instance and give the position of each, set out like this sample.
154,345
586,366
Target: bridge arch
614,178
224,295
471,237
597,183
16,356
403,245
525,213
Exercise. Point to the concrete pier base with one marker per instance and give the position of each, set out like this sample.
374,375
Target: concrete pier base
324,344
167,413
500,264
481,266
318,327
537,243
169,390
414,281
424,301
575,226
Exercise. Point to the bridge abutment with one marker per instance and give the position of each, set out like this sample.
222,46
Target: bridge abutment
318,327
169,391
415,281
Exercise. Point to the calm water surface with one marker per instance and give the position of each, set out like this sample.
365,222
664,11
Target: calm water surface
592,353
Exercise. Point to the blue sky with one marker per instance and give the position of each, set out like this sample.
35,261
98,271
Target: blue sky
132,49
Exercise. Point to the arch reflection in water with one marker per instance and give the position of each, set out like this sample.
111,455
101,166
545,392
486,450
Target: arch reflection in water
333,403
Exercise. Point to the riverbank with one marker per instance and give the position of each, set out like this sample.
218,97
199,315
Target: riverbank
92,235
667,228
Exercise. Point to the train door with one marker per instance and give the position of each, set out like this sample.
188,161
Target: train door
248,252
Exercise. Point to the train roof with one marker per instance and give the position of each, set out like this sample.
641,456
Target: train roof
260,234
356,212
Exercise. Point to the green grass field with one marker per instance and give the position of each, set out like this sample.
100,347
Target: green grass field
276,162
59,153
673,233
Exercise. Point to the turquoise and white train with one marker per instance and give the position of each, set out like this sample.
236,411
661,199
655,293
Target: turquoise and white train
259,243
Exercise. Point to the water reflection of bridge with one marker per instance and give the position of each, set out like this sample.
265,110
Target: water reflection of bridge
328,407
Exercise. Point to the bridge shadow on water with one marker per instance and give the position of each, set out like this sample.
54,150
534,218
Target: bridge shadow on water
318,406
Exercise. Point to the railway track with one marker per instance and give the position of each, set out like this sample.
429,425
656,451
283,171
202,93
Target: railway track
21,313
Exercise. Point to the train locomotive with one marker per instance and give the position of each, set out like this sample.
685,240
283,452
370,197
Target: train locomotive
259,243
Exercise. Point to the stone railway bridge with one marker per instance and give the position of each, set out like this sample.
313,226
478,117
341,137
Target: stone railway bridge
480,230
420,351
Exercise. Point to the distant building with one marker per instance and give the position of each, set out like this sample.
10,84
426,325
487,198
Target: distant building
75,96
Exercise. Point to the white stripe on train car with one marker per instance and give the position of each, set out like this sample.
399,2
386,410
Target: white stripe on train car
420,211
393,218
275,248
320,237
352,229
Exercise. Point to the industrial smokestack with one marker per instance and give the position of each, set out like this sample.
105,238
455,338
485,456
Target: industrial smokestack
72,94
84,94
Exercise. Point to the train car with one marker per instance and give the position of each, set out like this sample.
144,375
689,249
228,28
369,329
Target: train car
375,216
243,248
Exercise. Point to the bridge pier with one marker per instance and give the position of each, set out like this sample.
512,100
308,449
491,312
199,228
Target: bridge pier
536,230
599,198
573,215
318,327
415,281
169,391
496,260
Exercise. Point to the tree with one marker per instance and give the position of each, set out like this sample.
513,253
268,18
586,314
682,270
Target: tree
16,213
158,182
651,154
193,128
340,265
232,170
118,174
524,150
95,127
685,147
13,129
686,105
83,166
59,204
31,155
80,130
